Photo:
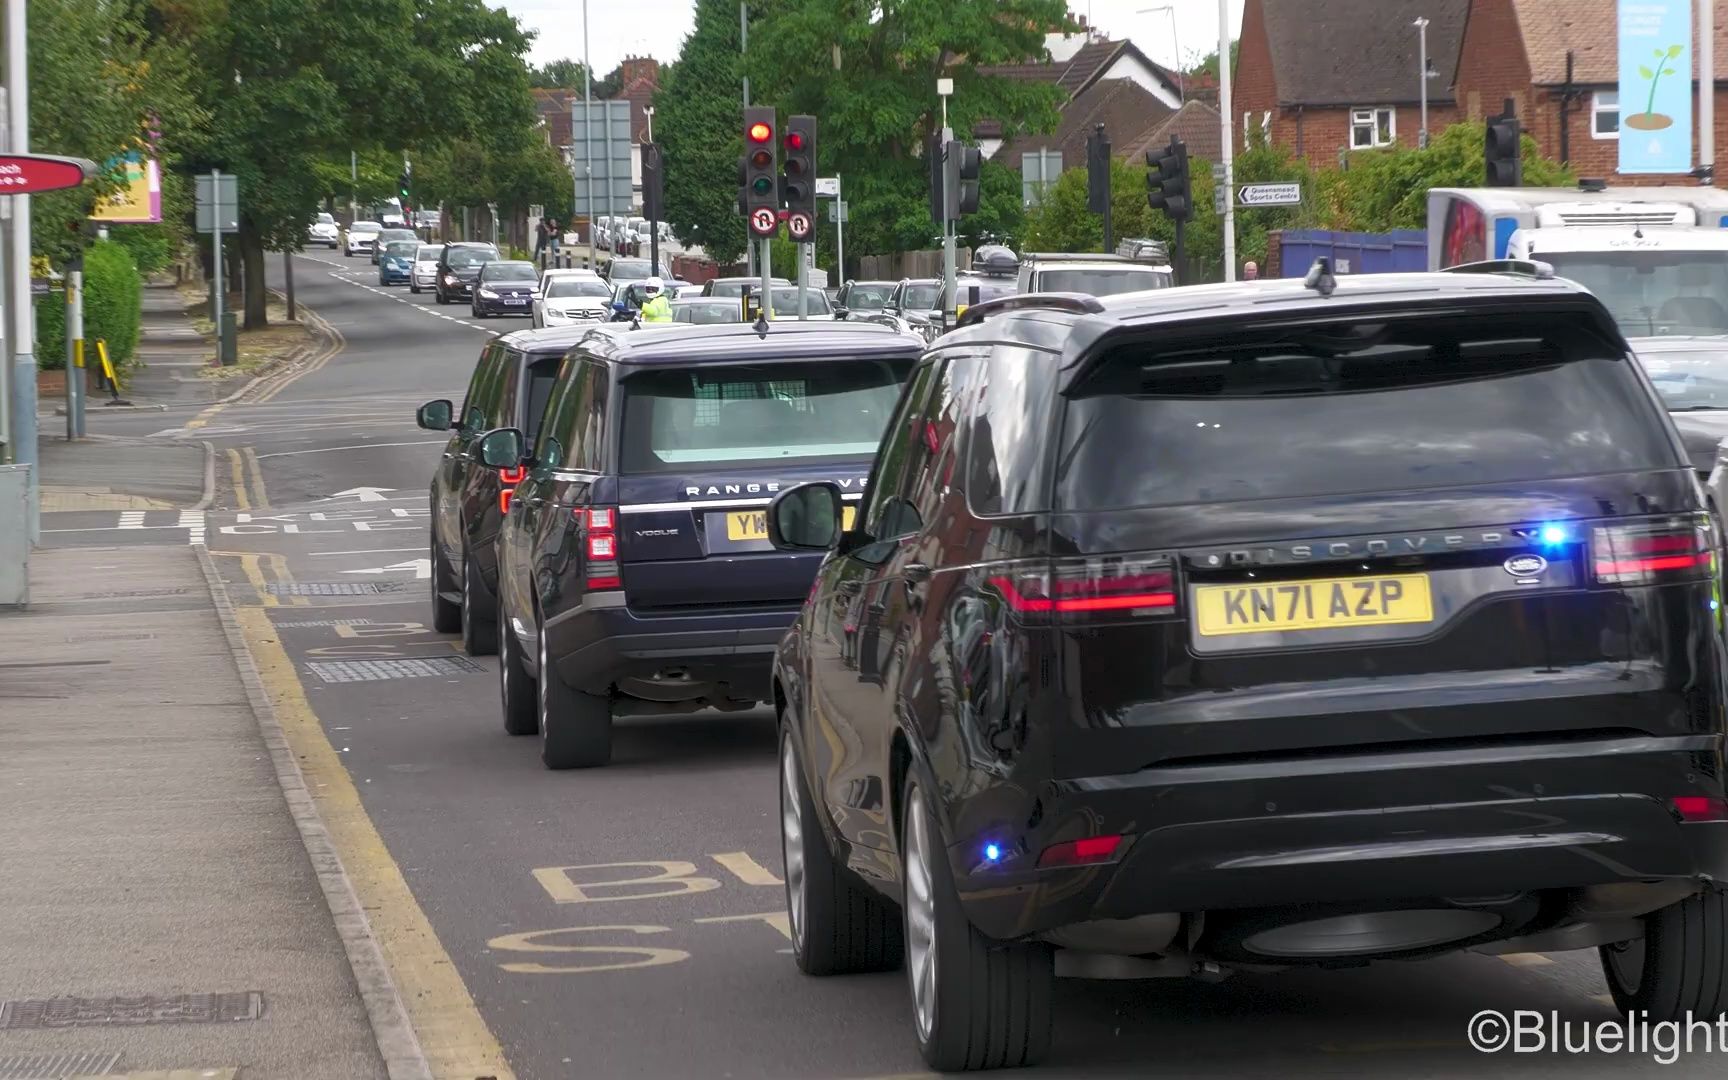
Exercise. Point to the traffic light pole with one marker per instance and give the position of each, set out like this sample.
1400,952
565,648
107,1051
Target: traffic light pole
75,349
1181,251
766,303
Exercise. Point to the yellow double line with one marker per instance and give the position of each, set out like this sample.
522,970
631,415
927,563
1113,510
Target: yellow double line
243,467
254,564
336,344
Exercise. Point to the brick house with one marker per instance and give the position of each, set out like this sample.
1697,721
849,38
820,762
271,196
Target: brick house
1519,49
1326,77
553,105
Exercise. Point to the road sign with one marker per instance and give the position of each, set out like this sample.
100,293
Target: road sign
800,226
839,212
228,193
827,187
1269,195
27,174
600,157
763,222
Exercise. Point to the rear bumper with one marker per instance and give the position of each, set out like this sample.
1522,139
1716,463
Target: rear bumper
720,654
1351,830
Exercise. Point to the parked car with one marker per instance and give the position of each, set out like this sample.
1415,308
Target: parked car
509,388
505,287
425,272
324,231
736,287
391,236
458,267
396,262
636,575
707,310
688,292
570,298
1249,708
862,297
359,238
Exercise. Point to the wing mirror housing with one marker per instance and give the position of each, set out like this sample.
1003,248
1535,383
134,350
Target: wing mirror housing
435,415
501,448
806,517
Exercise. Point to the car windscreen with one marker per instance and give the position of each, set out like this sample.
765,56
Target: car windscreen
729,288
400,249
707,314
1690,380
462,258
1653,292
326,219
815,301
508,271
365,226
922,297
428,252
868,297
738,415
1102,280
1354,407
568,287
629,269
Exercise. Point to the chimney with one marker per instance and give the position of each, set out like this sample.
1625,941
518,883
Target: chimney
639,67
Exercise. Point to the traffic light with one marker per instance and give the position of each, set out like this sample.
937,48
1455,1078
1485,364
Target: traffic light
799,168
1502,149
933,158
1098,171
961,164
653,182
1167,181
761,170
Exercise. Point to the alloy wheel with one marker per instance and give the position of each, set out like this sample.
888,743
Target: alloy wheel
792,839
920,915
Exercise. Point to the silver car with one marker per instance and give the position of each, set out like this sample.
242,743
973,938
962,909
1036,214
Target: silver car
424,274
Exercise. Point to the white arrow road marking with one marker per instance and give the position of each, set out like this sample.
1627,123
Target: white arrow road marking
363,494
422,568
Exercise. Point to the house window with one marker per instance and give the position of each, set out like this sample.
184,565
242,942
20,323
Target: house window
1370,128
1605,114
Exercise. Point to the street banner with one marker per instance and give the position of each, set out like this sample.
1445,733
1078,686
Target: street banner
139,198
1655,86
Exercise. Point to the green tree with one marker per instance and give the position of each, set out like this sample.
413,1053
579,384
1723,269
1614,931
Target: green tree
563,74
697,117
868,69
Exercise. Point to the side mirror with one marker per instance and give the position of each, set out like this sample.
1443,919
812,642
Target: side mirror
841,313
435,415
501,448
806,517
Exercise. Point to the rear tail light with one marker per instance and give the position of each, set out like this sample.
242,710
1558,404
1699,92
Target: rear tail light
1700,807
508,479
1114,587
599,528
1088,851
1652,553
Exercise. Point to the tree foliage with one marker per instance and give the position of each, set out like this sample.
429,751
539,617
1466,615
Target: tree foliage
563,74
697,116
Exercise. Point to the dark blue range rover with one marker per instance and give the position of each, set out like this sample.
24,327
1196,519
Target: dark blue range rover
635,570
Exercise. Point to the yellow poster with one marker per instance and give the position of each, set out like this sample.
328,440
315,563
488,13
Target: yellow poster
139,199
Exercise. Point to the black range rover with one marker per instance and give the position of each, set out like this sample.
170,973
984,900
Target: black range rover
1259,626
636,574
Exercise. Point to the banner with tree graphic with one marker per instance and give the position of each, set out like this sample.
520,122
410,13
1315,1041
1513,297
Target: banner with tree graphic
1655,86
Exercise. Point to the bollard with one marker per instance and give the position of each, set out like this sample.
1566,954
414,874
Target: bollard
228,345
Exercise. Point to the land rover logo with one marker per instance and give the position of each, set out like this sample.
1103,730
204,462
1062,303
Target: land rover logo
1525,565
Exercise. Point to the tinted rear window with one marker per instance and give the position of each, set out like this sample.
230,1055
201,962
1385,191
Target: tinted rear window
1360,407
769,414
542,376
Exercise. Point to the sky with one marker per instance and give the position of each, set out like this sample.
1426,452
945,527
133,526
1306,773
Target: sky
657,27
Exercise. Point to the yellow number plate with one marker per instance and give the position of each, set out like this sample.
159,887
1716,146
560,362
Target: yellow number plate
1330,604
753,524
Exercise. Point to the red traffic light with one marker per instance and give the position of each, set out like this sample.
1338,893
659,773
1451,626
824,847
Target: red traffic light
795,140
760,132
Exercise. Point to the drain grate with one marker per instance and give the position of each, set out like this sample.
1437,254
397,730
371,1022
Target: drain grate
333,588
344,671
56,1066
65,1012
322,622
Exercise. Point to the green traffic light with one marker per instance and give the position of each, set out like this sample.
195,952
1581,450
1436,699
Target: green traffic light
763,185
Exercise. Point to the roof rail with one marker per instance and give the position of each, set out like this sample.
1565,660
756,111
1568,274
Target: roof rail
1517,267
1077,303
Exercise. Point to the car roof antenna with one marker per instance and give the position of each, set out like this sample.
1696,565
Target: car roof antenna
1320,277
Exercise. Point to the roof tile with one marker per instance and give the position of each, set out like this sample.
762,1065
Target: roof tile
1363,52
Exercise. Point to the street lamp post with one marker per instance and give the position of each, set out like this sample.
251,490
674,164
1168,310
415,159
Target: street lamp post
1421,25
1176,40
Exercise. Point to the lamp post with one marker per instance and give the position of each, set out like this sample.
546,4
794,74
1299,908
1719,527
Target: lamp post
1176,40
1422,76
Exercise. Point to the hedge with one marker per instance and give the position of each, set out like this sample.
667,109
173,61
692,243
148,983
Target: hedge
113,291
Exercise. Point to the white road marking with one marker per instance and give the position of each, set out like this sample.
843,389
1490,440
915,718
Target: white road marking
363,446
193,522
422,568
131,519
369,551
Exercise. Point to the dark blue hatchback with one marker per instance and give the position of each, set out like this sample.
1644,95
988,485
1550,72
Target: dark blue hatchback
635,570
396,262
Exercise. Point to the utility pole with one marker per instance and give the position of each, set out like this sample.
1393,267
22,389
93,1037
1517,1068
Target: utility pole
839,233
353,186
1421,25
945,90
1224,109
75,349
588,136
217,297
23,313
1707,92
10,445
744,51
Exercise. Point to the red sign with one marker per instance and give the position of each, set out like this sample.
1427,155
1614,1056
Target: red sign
28,174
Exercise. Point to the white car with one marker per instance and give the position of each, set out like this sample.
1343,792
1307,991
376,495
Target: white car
569,298
688,292
324,230
360,238
423,274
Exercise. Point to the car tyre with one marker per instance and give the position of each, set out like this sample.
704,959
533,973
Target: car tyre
438,294
479,635
838,925
474,309
446,615
516,695
976,1003
575,728
1679,969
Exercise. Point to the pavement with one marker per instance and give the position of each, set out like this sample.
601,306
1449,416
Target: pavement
625,922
